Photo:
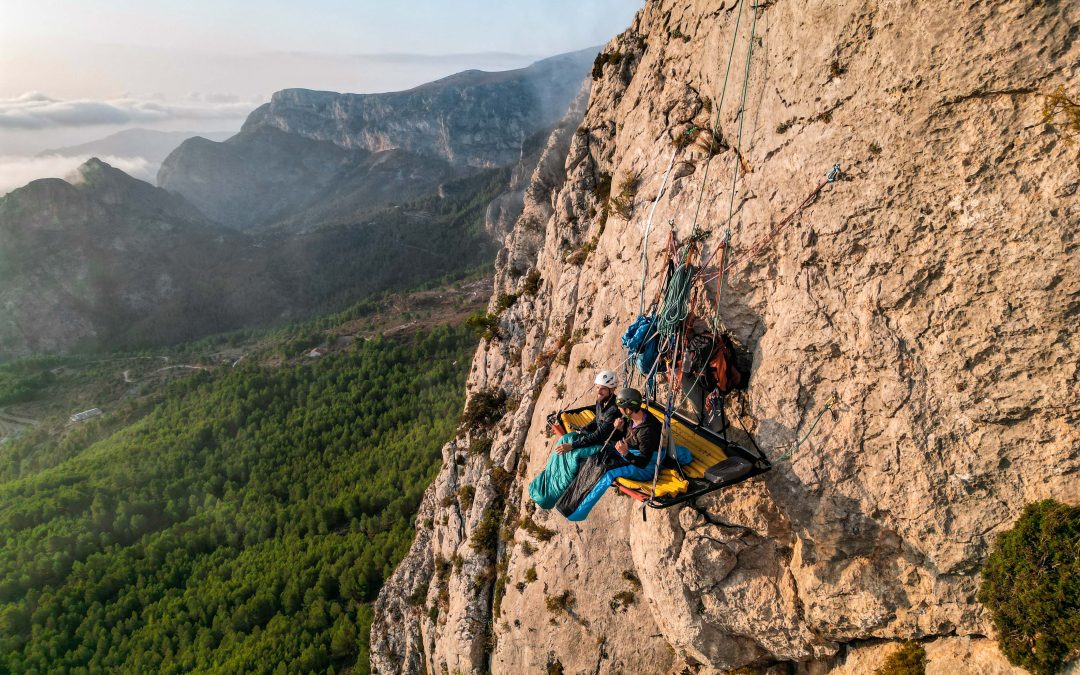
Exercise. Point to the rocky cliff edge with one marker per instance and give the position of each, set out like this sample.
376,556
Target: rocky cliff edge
932,289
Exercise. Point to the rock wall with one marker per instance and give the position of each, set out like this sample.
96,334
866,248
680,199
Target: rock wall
932,289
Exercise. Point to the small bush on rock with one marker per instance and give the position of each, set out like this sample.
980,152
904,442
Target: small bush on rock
506,301
562,602
485,324
485,538
910,659
602,59
484,410
481,445
1031,585
532,283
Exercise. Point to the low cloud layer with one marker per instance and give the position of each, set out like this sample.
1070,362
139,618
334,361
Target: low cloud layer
16,172
37,111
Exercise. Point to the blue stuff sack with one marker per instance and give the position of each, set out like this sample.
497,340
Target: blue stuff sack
642,343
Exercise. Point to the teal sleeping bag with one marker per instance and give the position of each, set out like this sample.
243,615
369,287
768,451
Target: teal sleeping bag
559,472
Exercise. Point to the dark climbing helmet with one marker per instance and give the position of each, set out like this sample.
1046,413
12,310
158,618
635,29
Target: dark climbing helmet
629,398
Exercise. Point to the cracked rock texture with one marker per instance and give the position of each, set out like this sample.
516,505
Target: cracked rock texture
933,289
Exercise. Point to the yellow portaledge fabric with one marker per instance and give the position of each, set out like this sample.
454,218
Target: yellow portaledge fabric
705,454
669,483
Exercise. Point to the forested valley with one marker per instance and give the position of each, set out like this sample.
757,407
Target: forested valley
244,522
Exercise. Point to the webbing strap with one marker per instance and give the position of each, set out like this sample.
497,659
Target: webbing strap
719,105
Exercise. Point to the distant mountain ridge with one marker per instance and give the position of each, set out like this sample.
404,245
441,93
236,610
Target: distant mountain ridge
105,261
265,177
274,223
106,256
310,158
150,144
473,118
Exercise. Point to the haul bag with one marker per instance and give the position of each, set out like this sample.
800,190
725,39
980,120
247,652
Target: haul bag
732,468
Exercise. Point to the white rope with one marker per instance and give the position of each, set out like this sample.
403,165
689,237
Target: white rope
648,228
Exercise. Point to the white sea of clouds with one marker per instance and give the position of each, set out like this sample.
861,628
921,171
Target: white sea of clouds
34,110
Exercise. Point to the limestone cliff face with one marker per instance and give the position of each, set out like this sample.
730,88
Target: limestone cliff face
932,289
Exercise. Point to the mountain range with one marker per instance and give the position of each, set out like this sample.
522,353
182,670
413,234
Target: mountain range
149,144
321,199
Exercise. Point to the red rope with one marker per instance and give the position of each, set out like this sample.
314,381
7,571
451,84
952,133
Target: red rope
765,240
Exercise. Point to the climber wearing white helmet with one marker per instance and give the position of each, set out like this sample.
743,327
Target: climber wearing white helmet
599,430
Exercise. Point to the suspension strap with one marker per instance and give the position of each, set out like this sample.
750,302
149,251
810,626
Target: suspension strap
742,115
719,105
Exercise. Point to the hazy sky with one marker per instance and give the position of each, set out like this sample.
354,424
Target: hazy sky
77,70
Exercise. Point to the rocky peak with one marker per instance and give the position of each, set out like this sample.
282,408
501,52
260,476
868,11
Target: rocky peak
473,118
931,289
311,159
85,196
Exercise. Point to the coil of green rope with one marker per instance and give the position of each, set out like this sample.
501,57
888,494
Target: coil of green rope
676,306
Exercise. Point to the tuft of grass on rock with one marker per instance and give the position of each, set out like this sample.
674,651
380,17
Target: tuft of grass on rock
622,600
485,537
623,201
466,494
909,659
539,532
562,602
1062,111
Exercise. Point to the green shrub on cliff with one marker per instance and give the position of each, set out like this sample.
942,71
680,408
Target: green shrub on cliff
1031,584
909,659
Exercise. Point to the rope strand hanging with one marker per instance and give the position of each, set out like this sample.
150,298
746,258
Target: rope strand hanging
719,106
832,400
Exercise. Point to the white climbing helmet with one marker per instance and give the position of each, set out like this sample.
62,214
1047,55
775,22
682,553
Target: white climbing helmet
607,378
